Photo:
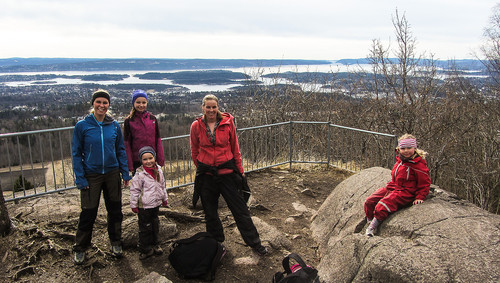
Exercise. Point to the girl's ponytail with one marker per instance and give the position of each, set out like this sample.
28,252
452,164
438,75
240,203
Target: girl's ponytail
156,172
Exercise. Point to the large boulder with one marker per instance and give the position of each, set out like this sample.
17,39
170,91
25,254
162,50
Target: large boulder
444,239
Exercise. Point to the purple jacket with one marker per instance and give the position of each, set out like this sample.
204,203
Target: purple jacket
142,131
145,191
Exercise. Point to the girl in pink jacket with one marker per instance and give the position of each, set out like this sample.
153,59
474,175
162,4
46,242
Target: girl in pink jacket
147,194
410,184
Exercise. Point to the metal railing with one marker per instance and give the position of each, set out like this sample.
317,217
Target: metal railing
39,162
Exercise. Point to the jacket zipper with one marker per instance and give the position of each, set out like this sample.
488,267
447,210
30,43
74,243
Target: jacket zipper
102,148
102,143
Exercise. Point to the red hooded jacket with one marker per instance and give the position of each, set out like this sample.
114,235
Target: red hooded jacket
226,144
411,176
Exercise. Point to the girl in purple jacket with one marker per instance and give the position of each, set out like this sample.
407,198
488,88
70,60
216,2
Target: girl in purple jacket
141,129
147,194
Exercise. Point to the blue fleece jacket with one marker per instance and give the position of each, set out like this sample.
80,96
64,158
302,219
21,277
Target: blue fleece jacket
98,148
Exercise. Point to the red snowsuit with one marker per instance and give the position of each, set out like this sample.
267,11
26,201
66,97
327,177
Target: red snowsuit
410,181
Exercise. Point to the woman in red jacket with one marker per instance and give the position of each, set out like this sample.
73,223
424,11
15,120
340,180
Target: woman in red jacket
219,171
410,184
140,129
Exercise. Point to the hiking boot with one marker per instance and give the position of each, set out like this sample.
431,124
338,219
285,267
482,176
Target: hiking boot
157,250
79,258
370,231
117,251
143,256
261,250
372,227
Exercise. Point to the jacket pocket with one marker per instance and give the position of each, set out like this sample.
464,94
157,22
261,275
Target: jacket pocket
90,153
222,136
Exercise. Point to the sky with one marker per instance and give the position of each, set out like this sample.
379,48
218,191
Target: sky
236,29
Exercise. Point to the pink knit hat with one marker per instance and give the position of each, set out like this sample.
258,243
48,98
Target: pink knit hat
406,143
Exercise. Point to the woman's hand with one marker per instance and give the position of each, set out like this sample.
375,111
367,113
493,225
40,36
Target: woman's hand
417,201
126,183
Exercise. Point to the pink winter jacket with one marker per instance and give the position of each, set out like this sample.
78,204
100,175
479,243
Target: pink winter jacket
145,191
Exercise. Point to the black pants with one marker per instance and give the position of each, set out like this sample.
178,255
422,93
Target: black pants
149,228
110,186
228,186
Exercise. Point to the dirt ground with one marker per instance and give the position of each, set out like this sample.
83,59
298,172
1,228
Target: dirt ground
39,249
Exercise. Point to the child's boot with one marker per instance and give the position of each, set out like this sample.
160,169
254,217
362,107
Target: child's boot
372,227
143,256
157,250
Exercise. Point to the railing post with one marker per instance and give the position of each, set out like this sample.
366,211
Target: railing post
20,166
290,141
396,145
10,169
328,145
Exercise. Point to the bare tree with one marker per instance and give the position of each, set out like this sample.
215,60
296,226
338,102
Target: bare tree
402,83
491,49
455,120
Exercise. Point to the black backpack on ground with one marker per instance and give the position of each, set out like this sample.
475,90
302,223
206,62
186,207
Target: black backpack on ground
197,256
298,273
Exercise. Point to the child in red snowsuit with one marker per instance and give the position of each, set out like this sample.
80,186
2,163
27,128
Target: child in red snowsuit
410,183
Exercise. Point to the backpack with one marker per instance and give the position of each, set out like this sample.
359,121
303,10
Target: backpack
298,273
197,256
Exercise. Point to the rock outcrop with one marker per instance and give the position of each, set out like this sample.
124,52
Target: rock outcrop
153,277
444,239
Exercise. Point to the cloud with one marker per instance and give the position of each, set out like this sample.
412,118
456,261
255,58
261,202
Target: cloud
298,29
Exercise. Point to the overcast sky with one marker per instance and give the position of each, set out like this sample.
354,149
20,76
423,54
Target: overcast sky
256,29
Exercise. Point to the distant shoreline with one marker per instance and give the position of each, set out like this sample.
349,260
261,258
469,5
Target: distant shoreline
39,65
13,65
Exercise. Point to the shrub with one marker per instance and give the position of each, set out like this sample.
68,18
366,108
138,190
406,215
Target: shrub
18,185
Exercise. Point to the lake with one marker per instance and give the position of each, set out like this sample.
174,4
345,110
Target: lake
251,71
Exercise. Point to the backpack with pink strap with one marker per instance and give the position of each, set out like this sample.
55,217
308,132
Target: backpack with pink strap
297,273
